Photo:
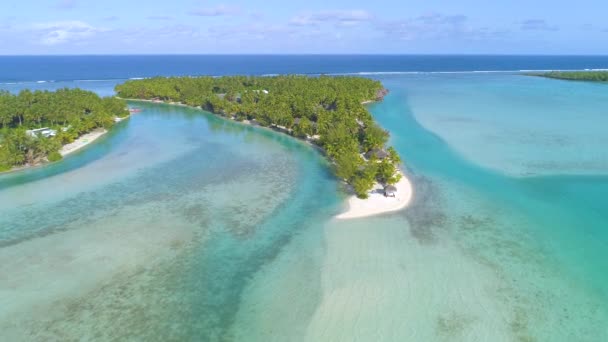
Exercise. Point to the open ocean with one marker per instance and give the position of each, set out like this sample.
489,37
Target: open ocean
18,69
178,225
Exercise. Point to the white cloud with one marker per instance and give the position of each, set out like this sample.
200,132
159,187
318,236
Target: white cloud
437,26
160,17
249,31
217,11
342,18
537,25
66,4
7,23
54,33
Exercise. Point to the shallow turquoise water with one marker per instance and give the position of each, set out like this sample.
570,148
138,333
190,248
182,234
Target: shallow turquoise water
568,212
182,203
195,228
515,124
546,234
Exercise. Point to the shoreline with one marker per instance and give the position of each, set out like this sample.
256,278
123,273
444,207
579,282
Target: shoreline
276,129
82,141
377,203
67,149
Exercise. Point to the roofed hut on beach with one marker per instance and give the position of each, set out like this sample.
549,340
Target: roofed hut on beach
376,152
390,190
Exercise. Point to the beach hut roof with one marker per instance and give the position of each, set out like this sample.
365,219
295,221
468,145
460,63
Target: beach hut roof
377,152
390,188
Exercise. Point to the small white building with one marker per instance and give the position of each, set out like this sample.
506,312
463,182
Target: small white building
45,132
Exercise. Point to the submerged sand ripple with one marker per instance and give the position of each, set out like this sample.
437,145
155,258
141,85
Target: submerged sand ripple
40,277
380,284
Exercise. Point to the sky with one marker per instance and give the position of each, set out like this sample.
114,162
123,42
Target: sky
41,27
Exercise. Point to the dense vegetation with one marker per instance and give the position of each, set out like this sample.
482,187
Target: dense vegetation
327,111
69,112
594,76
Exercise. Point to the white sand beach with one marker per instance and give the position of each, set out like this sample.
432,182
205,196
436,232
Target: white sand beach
377,203
82,141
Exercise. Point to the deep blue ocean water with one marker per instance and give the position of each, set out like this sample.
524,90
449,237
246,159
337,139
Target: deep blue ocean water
68,68
178,225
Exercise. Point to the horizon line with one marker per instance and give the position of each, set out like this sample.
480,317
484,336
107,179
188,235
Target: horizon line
307,54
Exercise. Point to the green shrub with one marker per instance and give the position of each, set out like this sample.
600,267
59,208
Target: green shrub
55,156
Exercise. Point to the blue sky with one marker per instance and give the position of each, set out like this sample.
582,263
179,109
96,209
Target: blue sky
314,26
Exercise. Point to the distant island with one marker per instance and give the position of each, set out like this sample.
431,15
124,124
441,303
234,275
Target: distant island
42,126
592,76
326,111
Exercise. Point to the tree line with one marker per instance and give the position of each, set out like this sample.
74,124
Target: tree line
593,76
327,111
68,112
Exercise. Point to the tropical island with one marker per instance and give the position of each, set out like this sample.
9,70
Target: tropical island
592,76
328,112
43,126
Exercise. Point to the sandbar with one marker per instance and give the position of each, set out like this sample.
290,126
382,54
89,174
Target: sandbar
377,203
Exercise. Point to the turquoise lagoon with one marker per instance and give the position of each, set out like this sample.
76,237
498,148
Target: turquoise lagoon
181,226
